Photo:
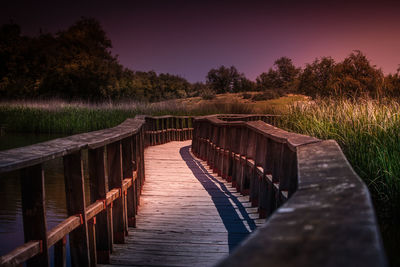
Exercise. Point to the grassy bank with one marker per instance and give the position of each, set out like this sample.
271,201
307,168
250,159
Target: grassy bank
368,132
70,118
57,116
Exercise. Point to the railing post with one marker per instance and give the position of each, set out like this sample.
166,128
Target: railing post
243,181
222,142
141,160
98,191
234,145
180,129
256,145
114,160
92,241
269,199
262,150
128,170
75,198
162,134
60,253
186,134
34,211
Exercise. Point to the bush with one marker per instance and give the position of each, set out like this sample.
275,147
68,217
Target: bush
246,96
207,94
267,95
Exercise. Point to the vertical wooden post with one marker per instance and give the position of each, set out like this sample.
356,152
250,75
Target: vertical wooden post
34,211
128,164
92,241
75,196
186,128
60,253
114,160
98,191
269,169
255,180
180,129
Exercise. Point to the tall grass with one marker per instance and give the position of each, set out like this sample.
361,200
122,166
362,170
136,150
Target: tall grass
69,118
368,132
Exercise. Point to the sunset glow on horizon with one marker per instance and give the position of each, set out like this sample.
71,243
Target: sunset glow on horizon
188,38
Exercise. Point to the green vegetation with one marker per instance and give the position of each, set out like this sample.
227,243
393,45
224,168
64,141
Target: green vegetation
368,132
76,117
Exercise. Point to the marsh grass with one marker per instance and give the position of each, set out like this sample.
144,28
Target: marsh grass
368,132
62,117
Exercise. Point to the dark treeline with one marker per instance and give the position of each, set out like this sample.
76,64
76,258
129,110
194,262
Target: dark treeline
77,64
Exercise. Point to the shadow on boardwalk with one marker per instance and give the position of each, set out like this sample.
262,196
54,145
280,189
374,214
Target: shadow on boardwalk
228,206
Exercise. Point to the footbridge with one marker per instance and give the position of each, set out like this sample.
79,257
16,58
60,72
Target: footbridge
226,190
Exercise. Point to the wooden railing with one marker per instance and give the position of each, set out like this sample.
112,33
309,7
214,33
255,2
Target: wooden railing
116,173
319,211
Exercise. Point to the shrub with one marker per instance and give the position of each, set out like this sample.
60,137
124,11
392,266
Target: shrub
207,94
246,96
267,95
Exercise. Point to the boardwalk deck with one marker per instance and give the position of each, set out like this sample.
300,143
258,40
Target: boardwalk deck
187,216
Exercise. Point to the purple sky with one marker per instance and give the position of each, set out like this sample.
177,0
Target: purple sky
188,38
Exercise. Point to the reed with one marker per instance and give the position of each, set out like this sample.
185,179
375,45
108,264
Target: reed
62,117
368,132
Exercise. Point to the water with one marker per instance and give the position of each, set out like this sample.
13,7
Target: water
11,228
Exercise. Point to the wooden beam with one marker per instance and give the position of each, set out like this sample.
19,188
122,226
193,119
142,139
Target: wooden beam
128,169
21,254
60,253
34,211
114,160
98,192
75,198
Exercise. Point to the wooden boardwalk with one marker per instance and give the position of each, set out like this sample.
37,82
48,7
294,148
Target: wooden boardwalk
187,216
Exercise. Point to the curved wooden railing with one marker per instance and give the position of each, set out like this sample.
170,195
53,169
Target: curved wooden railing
116,173
319,211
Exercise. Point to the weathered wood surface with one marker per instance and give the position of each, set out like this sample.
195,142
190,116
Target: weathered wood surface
34,154
187,216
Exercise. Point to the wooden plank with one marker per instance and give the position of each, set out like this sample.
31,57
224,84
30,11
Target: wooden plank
21,254
35,154
187,216
114,160
75,199
34,212
92,241
98,192
62,229
128,170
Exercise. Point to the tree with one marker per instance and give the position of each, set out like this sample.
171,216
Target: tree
392,84
224,80
317,78
281,77
355,76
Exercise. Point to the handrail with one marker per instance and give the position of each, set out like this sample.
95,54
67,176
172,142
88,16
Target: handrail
319,211
116,173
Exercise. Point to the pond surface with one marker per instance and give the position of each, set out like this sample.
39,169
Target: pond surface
11,227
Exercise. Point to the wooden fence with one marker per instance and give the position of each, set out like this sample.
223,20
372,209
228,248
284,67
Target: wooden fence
116,173
319,211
